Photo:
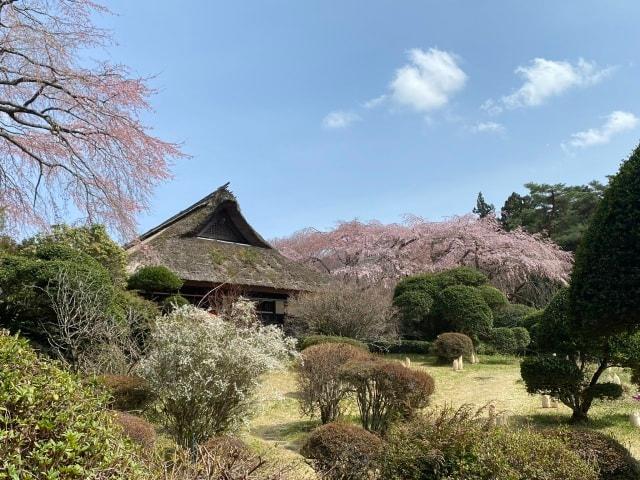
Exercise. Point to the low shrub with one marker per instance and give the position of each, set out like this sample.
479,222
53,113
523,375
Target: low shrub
449,346
504,340
154,279
461,444
128,392
386,391
136,428
53,426
320,385
172,302
311,340
343,452
613,460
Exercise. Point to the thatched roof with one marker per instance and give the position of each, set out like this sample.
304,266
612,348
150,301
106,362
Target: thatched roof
211,242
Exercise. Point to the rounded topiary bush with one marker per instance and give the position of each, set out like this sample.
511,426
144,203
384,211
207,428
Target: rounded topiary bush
613,460
136,428
504,340
465,276
464,310
154,279
343,452
128,392
311,340
55,424
449,346
495,298
523,338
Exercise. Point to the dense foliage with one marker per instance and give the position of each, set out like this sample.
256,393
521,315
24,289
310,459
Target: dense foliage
343,452
605,284
154,279
128,392
504,340
459,300
560,211
321,388
451,345
461,444
205,369
53,426
344,310
513,315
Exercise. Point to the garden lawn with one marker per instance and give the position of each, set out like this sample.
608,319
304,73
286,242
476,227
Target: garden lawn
495,379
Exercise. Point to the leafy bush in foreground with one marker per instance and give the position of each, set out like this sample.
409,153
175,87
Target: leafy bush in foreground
461,445
343,452
53,426
320,385
205,370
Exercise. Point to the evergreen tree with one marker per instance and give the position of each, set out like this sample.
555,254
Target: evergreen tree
605,285
483,208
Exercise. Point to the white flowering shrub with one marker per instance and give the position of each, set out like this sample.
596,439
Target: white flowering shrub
205,368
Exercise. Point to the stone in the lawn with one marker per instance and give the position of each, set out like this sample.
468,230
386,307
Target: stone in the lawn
456,367
407,362
460,363
546,401
554,403
635,419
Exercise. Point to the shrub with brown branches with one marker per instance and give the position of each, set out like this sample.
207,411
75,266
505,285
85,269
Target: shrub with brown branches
321,388
386,391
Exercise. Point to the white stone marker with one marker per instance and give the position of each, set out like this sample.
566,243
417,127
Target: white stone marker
460,363
635,419
455,365
546,401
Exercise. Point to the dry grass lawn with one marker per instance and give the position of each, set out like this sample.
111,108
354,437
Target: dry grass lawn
279,423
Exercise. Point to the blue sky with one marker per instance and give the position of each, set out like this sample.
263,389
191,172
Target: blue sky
276,97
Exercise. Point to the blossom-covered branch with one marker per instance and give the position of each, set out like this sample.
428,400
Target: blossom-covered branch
70,130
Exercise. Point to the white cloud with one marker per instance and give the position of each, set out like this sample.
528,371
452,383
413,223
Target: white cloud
428,82
544,79
616,122
375,102
340,119
488,127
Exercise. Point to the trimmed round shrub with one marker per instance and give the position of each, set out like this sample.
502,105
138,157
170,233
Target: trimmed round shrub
53,423
464,310
466,276
387,391
136,428
343,452
128,391
550,375
504,340
154,279
311,340
613,460
461,444
320,386
172,302
495,298
512,315
231,453
449,346
523,339
414,307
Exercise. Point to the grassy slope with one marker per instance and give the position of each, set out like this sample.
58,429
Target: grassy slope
495,379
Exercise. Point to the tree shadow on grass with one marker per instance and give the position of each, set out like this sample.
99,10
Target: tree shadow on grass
564,419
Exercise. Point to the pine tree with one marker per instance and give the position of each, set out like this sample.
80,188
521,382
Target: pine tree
483,208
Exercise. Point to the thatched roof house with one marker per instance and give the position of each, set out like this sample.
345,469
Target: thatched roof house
210,245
